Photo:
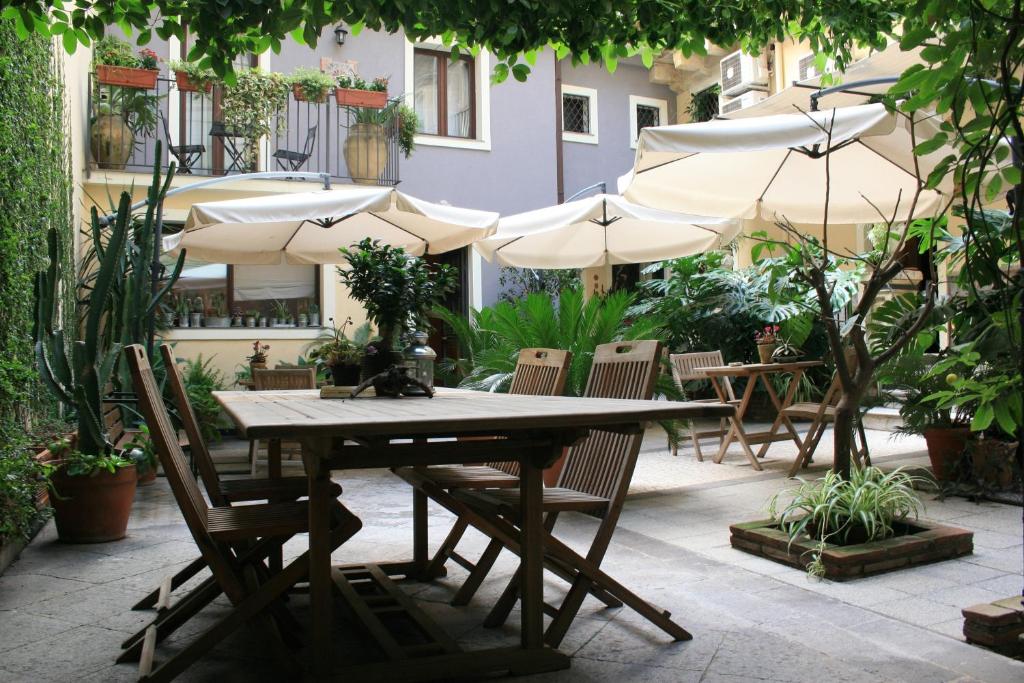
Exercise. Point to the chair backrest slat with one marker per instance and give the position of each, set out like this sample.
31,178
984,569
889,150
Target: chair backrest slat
539,372
197,445
284,379
603,463
686,367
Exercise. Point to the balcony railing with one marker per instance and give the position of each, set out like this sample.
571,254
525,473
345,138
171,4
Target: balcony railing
346,143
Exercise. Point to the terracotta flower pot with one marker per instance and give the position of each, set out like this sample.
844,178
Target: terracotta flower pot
128,77
186,85
370,99
765,351
300,95
945,446
147,478
93,509
366,152
258,365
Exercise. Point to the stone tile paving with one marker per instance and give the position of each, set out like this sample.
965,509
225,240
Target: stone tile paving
65,609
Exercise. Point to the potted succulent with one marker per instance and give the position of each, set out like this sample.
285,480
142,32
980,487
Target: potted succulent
366,145
258,359
190,77
263,321
397,291
766,342
310,85
314,315
236,318
116,64
184,311
251,318
343,356
353,91
303,320
253,107
216,314
280,315
196,315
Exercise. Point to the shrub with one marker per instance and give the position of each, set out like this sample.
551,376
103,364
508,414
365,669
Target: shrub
200,382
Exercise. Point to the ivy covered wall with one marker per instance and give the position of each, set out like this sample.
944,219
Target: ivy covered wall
35,193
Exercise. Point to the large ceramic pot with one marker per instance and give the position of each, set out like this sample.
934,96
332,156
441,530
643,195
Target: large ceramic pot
111,141
945,446
366,152
93,509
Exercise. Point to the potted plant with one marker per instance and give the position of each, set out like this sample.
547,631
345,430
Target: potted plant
279,316
310,85
143,454
253,106
303,315
258,359
184,311
92,494
353,91
342,356
366,145
116,64
190,77
251,318
397,291
120,116
263,321
766,342
216,314
236,318
314,315
196,315
909,379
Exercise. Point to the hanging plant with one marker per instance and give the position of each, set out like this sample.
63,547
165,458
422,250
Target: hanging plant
253,107
704,104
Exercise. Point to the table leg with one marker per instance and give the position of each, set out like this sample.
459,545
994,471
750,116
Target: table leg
274,458
531,574
780,406
320,591
420,557
741,410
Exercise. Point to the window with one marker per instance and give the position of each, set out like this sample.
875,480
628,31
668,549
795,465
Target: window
579,114
221,291
643,113
443,94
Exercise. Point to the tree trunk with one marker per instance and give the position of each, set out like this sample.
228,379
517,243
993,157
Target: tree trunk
846,411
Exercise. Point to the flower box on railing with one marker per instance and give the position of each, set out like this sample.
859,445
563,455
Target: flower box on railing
371,99
127,76
185,84
300,95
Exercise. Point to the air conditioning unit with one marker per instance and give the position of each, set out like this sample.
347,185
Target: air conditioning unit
742,72
729,105
807,67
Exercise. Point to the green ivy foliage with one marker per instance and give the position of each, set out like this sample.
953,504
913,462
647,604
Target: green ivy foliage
35,193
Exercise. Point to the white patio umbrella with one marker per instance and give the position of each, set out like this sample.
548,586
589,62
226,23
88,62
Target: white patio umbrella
774,166
598,230
309,227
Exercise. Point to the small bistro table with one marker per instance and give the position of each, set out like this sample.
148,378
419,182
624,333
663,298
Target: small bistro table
376,433
753,373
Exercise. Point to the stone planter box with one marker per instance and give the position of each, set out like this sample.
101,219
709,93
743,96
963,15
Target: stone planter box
997,625
925,542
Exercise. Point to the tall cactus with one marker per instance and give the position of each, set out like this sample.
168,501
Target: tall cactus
117,298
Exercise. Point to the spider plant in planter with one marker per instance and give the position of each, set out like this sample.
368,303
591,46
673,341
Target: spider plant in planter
333,349
869,506
398,292
310,85
366,145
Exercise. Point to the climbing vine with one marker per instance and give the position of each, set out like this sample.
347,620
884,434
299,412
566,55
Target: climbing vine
35,194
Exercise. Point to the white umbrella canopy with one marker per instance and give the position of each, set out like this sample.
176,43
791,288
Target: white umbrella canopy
310,227
774,167
598,230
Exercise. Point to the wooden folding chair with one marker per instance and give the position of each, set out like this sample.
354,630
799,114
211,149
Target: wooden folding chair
233,541
278,379
595,480
220,492
686,367
538,372
821,415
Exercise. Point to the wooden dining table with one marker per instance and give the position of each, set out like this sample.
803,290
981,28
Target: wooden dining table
339,434
754,373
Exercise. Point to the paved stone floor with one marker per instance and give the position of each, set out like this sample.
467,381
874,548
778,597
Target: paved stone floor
64,609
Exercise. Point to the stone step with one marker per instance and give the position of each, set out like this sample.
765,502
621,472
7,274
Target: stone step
883,418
